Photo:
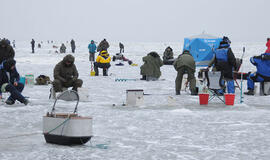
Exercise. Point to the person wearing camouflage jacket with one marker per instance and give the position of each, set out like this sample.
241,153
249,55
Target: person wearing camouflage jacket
66,75
185,64
151,67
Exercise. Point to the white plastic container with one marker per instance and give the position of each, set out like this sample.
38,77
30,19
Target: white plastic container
134,97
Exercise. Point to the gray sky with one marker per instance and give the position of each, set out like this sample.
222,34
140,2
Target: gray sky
134,20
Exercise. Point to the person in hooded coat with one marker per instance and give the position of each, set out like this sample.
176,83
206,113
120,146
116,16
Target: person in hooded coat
9,82
150,70
73,46
185,64
66,75
103,61
262,74
63,48
92,50
103,46
6,51
168,54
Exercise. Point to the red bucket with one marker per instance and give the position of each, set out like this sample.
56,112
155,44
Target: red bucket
203,98
229,99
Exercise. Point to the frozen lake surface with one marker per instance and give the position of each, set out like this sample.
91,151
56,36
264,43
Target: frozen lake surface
165,127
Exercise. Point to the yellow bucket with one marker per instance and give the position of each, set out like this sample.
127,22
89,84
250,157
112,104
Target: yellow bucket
92,73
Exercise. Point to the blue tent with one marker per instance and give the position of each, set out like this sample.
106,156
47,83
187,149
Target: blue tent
201,47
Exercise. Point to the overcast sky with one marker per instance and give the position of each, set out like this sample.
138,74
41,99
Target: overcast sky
134,20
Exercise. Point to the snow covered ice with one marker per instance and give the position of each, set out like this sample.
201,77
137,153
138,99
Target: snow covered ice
165,127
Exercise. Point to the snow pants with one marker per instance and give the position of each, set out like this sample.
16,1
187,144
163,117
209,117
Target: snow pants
252,78
191,79
58,85
104,66
15,92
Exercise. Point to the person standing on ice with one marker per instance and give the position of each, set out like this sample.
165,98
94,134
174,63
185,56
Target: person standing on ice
9,82
33,45
262,64
66,75
185,64
6,51
150,70
224,61
92,50
73,46
121,46
103,46
103,61
63,48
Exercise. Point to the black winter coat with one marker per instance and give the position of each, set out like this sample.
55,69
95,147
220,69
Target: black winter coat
6,52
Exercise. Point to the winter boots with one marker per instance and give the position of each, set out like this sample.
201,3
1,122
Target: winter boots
250,92
11,102
143,77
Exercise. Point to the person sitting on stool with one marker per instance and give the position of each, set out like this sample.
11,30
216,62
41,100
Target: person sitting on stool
103,61
66,75
262,64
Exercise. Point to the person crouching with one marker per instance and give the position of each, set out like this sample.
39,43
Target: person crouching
103,61
66,75
150,70
9,82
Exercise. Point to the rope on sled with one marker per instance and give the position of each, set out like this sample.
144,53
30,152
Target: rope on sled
22,135
59,125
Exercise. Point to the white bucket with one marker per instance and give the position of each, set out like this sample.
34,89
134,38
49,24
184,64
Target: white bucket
134,97
83,94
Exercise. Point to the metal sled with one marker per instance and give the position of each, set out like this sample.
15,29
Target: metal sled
67,128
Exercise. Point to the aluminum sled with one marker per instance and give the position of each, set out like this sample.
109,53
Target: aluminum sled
67,128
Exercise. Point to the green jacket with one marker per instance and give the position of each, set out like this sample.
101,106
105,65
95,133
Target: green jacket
185,59
66,73
151,66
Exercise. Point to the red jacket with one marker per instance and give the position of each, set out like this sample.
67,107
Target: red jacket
268,47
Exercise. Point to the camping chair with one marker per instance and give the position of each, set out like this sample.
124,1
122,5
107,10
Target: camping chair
214,83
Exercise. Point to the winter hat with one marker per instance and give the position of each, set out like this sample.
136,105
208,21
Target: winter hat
185,51
9,63
226,39
3,42
225,42
153,54
69,58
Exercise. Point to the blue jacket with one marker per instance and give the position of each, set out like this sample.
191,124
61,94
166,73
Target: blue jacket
263,66
225,60
92,48
4,78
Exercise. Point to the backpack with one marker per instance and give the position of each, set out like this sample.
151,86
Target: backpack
43,80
